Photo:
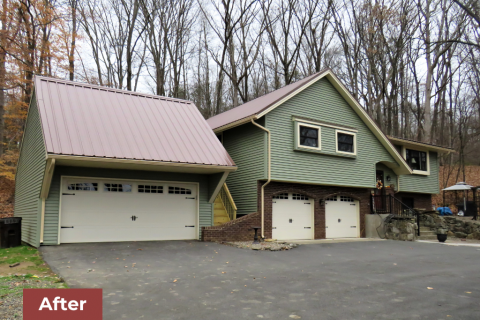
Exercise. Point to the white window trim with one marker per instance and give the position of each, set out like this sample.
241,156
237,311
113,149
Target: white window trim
319,128
420,172
354,153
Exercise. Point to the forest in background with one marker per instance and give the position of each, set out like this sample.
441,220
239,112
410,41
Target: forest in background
414,65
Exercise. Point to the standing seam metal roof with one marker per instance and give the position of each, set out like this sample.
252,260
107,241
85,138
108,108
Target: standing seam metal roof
87,120
259,104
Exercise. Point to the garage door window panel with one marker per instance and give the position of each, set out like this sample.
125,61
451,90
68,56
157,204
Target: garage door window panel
117,187
178,190
83,186
298,196
142,188
281,196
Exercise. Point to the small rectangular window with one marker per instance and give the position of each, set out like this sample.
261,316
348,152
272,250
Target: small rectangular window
178,190
309,136
150,189
298,196
117,187
83,186
283,196
345,142
417,160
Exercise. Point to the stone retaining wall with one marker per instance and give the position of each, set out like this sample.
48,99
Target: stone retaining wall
451,226
401,229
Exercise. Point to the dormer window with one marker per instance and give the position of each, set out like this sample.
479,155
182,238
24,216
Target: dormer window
417,160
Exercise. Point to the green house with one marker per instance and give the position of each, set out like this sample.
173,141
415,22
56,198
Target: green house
313,162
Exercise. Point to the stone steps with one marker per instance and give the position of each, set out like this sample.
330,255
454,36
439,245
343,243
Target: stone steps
425,229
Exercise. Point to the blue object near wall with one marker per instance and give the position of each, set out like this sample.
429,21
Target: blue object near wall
444,211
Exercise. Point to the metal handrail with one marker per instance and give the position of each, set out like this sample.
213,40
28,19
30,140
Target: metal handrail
388,204
228,202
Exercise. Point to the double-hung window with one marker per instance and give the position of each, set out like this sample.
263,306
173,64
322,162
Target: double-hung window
346,142
417,160
309,136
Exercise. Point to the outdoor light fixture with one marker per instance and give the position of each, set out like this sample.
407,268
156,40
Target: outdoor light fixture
388,178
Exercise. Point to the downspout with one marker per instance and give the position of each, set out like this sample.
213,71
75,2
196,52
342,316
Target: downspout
269,176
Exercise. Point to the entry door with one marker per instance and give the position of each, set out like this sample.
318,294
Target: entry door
292,217
341,217
100,210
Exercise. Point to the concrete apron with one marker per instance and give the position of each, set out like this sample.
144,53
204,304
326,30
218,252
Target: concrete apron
337,240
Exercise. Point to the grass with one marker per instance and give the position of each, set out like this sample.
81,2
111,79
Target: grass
34,276
21,254
32,272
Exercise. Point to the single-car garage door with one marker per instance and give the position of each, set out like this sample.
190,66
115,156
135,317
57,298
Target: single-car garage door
292,217
99,210
341,217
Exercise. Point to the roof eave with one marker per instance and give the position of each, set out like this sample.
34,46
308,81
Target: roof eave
421,145
136,164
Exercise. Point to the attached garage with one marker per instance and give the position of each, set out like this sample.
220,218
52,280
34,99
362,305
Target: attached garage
342,217
292,217
98,210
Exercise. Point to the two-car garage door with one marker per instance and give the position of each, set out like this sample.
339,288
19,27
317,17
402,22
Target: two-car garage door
100,210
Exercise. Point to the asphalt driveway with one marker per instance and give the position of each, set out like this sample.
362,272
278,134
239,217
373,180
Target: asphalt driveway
197,280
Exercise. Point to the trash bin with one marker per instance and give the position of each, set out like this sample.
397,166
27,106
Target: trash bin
10,232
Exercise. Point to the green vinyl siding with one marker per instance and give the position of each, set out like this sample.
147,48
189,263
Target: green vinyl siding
422,183
246,145
322,102
29,177
52,204
388,172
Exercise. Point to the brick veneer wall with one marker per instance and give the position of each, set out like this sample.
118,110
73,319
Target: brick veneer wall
316,193
420,200
235,230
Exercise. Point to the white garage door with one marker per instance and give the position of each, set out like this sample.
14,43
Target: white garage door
341,217
98,210
292,217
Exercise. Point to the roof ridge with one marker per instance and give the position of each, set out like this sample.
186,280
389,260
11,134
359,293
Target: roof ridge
104,88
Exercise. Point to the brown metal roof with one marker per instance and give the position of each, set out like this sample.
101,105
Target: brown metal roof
87,120
258,105
420,143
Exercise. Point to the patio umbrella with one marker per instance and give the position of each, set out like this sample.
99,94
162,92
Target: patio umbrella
460,186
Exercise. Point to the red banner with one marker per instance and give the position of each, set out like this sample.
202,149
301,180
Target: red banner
61,304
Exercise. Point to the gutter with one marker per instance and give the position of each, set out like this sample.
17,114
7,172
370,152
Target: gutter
269,175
